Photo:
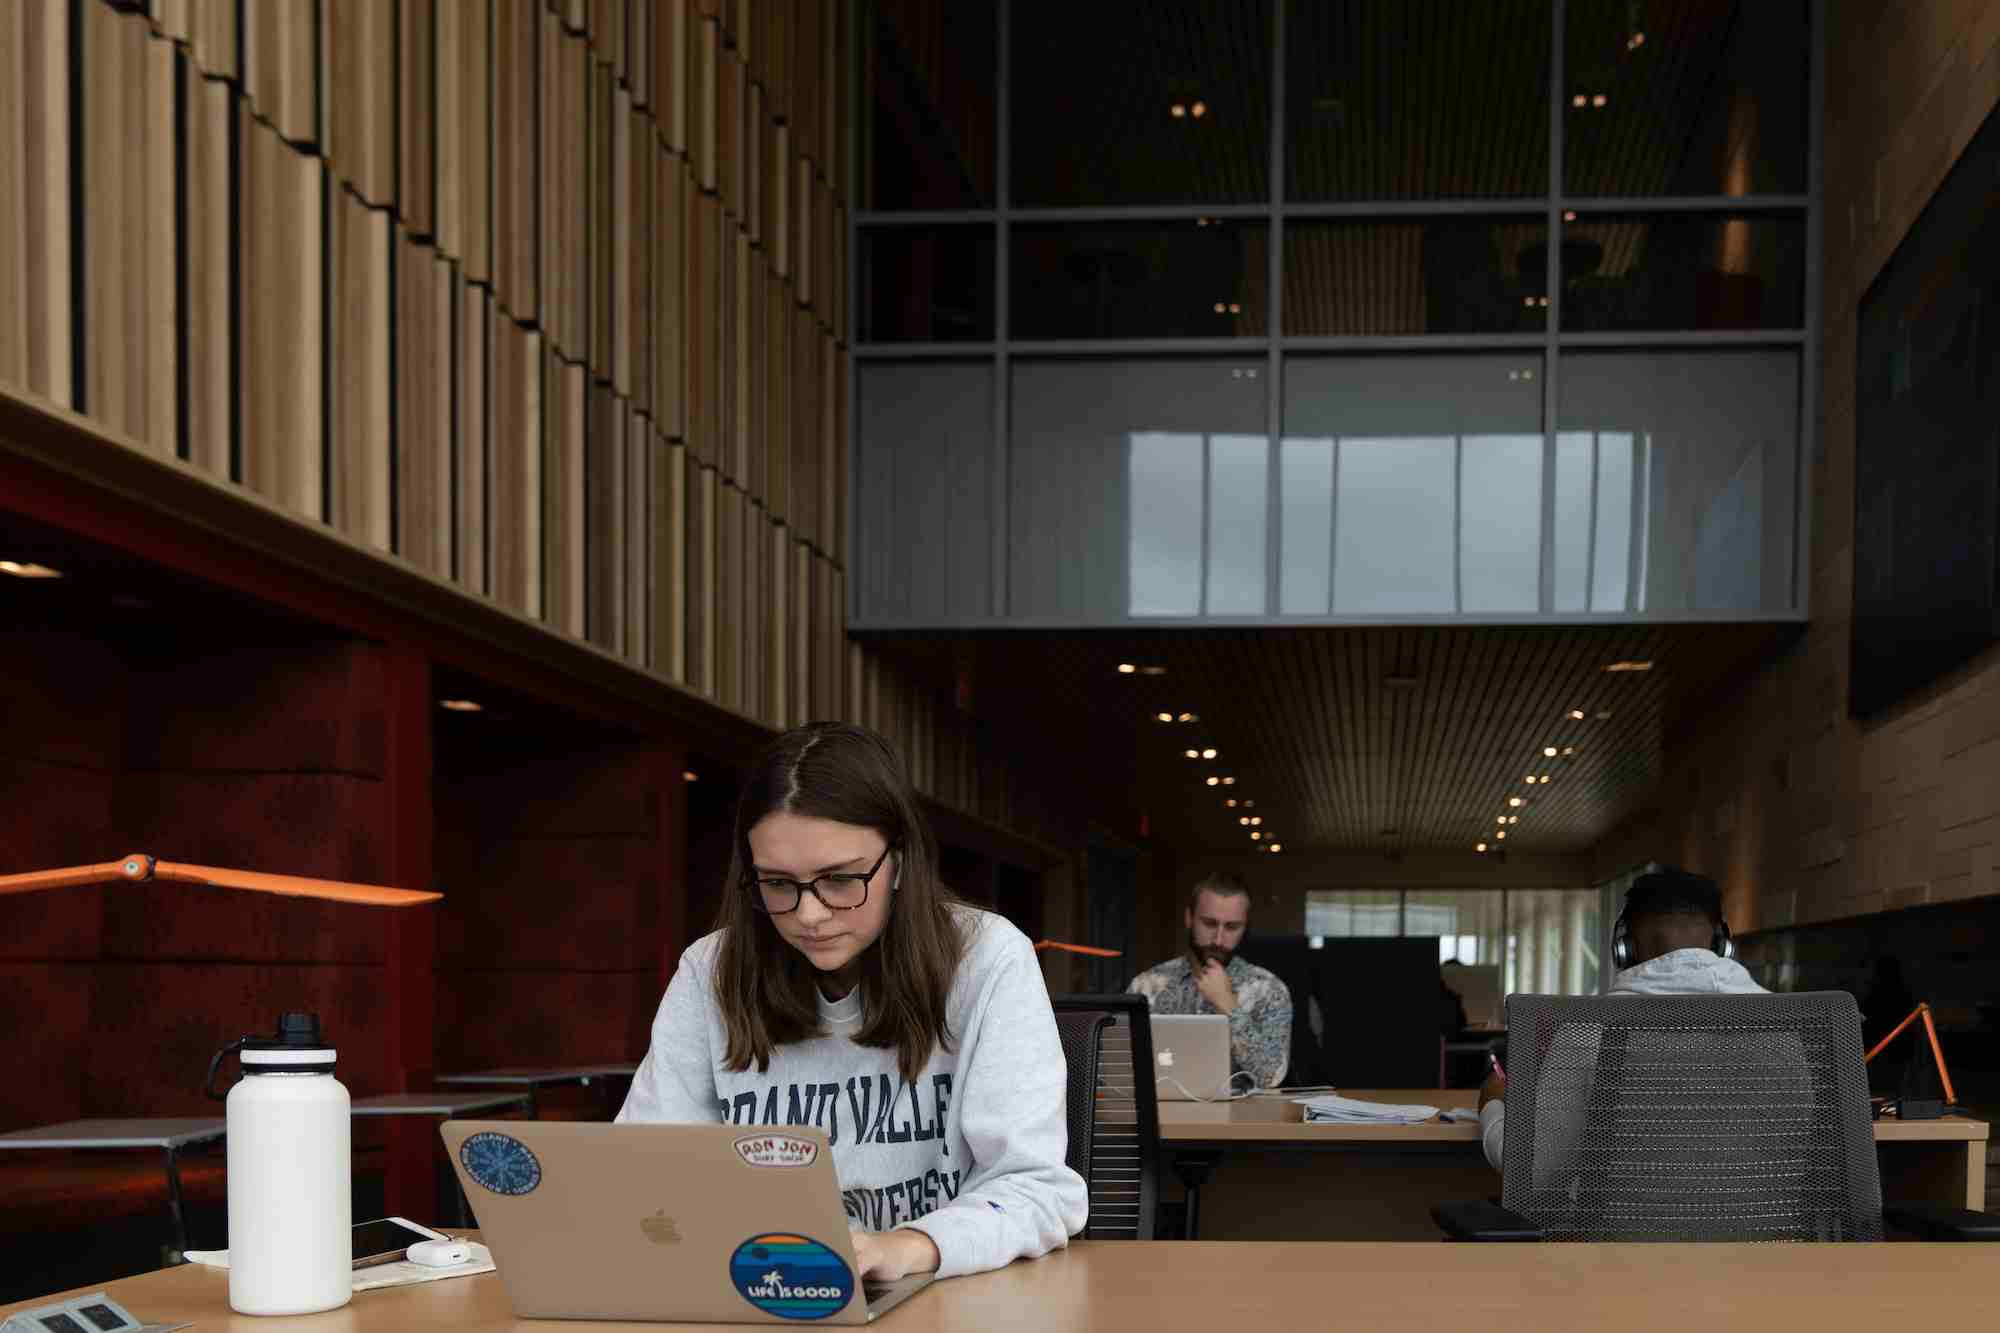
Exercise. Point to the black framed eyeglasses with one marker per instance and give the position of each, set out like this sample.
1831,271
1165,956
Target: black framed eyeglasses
775,895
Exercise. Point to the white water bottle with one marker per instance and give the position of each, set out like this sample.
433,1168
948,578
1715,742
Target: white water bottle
289,1143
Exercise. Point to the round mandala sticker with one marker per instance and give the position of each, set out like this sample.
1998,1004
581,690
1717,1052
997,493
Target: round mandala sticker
501,1163
792,1277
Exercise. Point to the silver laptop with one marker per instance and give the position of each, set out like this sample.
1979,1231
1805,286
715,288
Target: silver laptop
731,1224
1191,1056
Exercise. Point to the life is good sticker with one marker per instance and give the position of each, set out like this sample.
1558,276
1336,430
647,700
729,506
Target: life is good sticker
777,1150
792,1277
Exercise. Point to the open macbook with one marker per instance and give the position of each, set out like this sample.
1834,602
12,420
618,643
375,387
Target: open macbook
697,1223
1191,1056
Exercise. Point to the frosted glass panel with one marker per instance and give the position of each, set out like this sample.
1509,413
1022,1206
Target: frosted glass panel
1612,565
1166,515
925,485
1305,508
1500,523
1576,473
1113,470
1238,499
1397,513
1676,481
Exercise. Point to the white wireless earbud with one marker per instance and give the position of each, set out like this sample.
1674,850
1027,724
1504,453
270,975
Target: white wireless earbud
440,1253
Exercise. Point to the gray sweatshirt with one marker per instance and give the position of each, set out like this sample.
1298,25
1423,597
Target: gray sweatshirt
1682,972
971,1154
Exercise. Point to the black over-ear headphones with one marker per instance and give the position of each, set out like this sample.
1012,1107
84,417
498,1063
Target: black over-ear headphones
1622,952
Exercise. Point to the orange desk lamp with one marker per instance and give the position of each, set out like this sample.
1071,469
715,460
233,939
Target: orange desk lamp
139,867
1922,1011
1089,950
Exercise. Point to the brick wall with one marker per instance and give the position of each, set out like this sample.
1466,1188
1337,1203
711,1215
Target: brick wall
1804,814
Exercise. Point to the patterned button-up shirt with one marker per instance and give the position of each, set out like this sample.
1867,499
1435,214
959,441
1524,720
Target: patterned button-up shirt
1260,1031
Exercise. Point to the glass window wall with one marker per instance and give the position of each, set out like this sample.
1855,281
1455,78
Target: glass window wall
1472,314
1544,941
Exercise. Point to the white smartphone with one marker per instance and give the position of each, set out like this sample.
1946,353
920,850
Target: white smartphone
387,1239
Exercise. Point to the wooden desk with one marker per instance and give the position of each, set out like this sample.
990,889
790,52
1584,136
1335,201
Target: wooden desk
1198,1288
1280,1120
1386,1176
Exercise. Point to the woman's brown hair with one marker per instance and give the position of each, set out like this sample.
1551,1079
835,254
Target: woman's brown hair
766,988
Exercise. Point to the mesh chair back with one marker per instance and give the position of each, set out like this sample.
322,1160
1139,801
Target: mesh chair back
1082,1041
1690,1118
1117,1148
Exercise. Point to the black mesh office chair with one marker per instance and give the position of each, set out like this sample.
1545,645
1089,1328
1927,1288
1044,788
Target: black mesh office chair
1114,1132
1689,1118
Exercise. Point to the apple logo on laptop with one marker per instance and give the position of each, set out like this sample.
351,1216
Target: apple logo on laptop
659,1228
1166,1059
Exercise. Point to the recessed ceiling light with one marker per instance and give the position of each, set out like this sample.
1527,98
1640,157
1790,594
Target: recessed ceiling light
1599,100
1549,751
1569,215
1568,750
1277,846
1192,754
1198,110
1214,781
1579,100
1208,754
1545,777
461,706
1254,835
1126,668
1152,671
1230,803
1164,717
689,775
1235,308
1500,819
1576,715
1244,820
28,569
1229,782
1604,715
1637,40
1501,834
1178,110
1249,805
1514,800
1189,717
1513,819
1630,666
1478,846
1220,307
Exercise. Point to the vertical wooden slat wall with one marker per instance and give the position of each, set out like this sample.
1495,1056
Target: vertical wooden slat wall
541,297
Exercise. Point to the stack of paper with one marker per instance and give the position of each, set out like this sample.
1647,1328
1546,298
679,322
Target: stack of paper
1346,1111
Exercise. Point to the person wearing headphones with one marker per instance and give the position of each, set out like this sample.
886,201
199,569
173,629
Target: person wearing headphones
1670,940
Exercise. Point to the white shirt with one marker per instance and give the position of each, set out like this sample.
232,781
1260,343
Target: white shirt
971,1153
1682,972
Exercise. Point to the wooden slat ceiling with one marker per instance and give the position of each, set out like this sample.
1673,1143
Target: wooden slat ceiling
1352,739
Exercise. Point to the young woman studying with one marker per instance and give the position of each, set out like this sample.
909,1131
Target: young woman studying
846,989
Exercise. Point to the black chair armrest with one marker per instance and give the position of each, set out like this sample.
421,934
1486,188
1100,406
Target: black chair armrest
1482,1219
1930,1221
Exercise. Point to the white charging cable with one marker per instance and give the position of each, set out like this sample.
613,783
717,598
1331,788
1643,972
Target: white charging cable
1228,1096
